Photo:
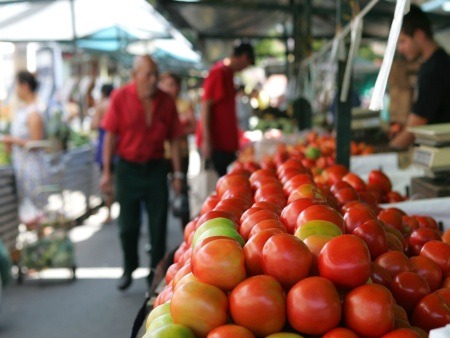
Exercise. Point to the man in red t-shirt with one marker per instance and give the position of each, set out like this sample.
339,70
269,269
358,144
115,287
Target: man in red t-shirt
219,138
139,120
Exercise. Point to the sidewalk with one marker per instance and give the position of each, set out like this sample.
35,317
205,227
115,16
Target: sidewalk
53,306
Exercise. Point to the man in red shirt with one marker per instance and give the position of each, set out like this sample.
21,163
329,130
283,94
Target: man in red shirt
139,119
219,126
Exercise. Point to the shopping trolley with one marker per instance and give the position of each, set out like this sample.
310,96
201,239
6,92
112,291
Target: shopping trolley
44,240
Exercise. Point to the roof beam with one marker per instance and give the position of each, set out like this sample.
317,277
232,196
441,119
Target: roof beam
227,36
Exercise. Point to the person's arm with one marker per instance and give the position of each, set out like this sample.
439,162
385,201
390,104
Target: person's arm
97,117
206,112
405,139
36,128
109,146
178,175
189,127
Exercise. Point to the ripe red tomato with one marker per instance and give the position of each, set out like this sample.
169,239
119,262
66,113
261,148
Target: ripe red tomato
320,212
269,206
231,180
209,203
230,331
267,224
180,251
260,174
403,241
253,251
394,262
334,173
200,306
183,271
373,234
408,288
253,219
346,195
426,222
258,304
296,181
439,252
402,333
313,306
220,263
345,260
340,332
391,217
431,312
256,184
269,189
292,211
428,269
444,292
248,212
355,181
380,275
280,201
171,271
369,310
286,258
420,236
356,216
379,179
338,186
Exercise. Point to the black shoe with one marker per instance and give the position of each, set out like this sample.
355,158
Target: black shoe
124,282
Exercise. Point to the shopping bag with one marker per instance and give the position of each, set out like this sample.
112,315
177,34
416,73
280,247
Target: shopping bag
201,186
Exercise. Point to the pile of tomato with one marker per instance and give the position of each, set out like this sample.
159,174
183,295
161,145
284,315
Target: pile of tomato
278,251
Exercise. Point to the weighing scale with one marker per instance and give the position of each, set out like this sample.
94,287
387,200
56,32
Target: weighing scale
432,152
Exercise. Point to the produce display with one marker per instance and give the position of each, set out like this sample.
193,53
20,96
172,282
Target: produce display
285,249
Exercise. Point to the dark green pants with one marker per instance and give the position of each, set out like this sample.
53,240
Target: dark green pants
137,186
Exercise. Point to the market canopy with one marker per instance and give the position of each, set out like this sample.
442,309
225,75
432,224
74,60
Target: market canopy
214,24
99,25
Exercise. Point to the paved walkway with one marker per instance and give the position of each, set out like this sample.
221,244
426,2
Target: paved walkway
52,306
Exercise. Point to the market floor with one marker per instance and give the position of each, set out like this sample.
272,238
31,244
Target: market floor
53,306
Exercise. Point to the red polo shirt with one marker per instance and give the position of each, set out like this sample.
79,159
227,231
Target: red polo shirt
219,87
126,119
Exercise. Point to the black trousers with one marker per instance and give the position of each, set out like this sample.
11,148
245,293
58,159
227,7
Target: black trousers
221,160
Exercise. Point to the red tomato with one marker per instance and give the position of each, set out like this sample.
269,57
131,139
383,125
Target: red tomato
209,204
444,292
356,216
402,333
346,195
426,222
393,231
183,271
171,271
248,212
269,189
237,202
292,211
380,275
392,197
428,269
296,181
230,331
439,252
446,236
391,217
313,306
260,174
345,260
200,306
421,236
338,186
180,251
400,313
431,312
231,180
394,262
220,263
373,234
355,181
269,206
408,288
253,219
267,224
369,198
334,173
369,310
322,212
379,179
446,282
269,180
286,258
288,164
253,251
340,332
244,196
279,201
394,244
258,304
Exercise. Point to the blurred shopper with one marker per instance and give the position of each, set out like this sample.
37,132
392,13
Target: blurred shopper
171,84
29,166
243,109
218,136
139,119
432,104
100,109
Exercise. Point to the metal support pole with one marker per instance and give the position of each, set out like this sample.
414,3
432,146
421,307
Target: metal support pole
343,115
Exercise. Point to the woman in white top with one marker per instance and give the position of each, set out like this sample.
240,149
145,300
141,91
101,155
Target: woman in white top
29,166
